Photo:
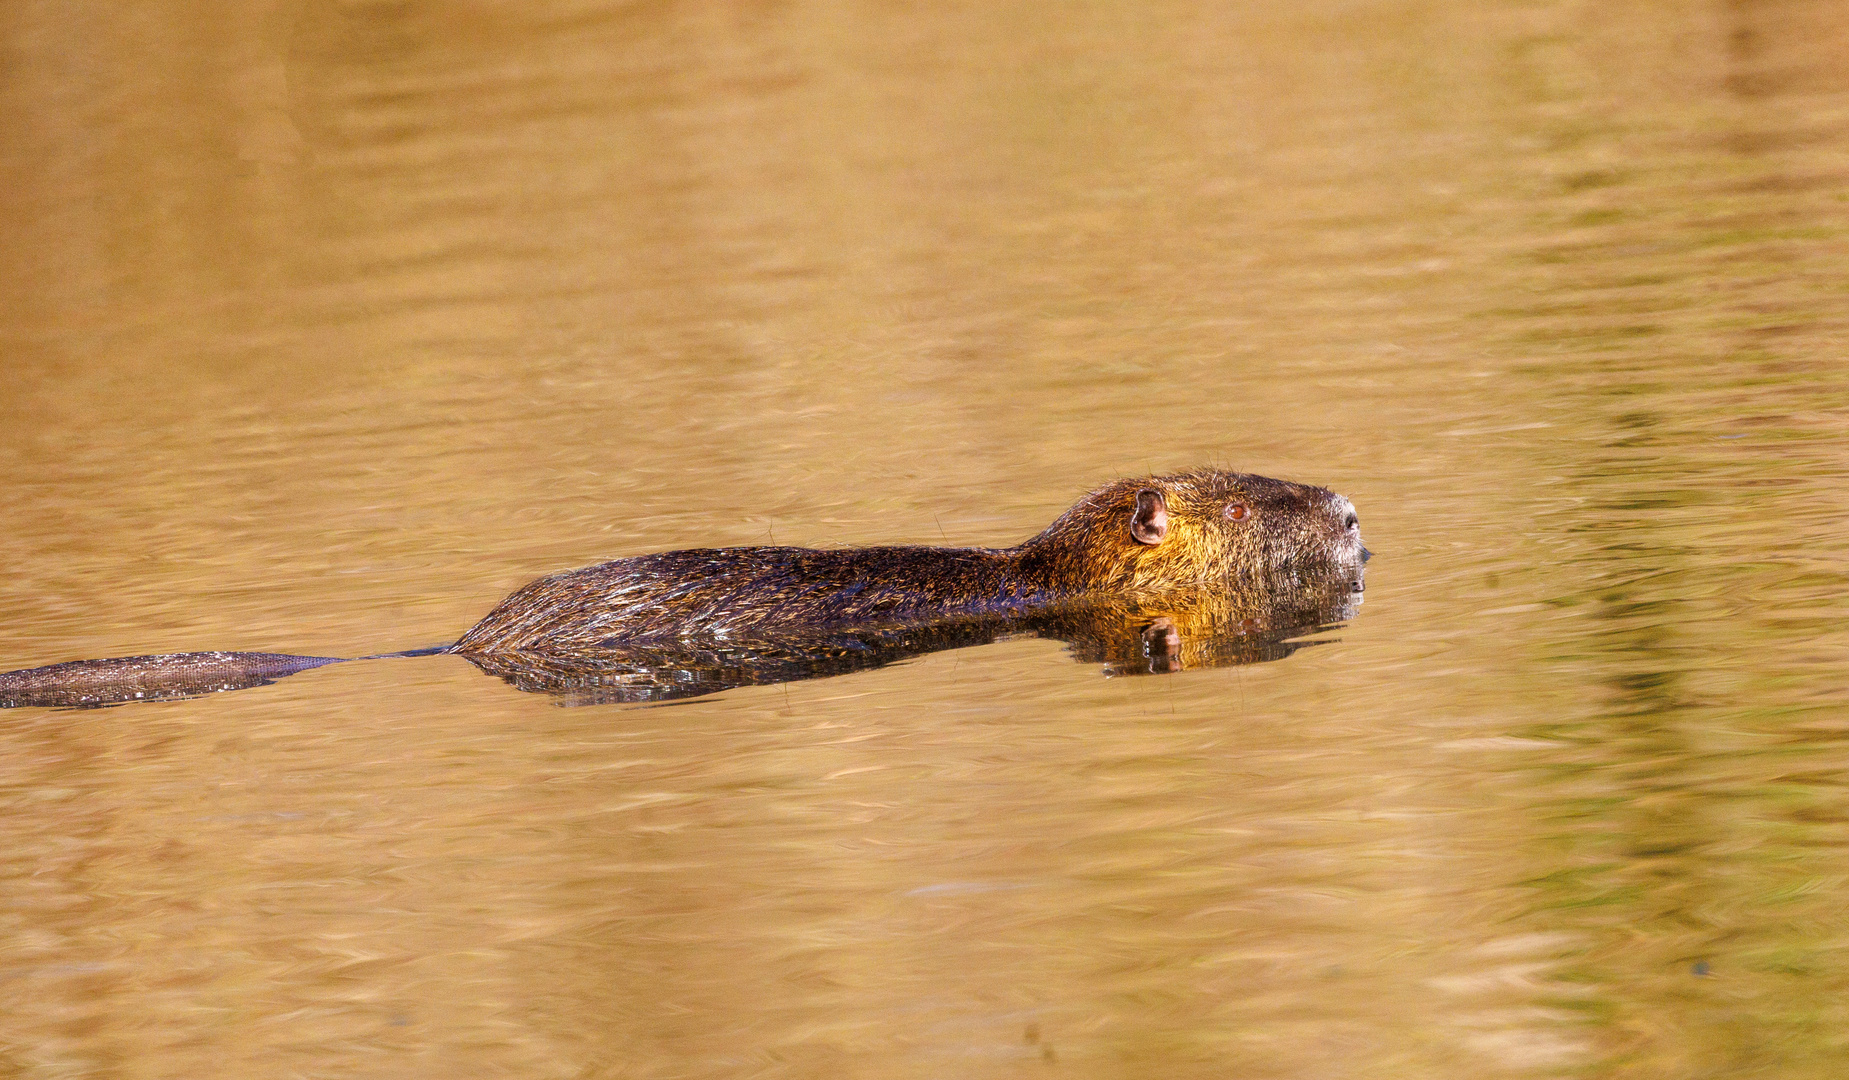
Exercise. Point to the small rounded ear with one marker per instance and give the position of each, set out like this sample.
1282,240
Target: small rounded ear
1149,523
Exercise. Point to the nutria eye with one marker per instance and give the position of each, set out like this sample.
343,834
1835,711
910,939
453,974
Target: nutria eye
1351,521
1238,512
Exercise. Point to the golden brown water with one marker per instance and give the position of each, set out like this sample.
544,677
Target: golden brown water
326,325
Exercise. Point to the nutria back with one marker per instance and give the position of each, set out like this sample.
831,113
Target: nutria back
1206,529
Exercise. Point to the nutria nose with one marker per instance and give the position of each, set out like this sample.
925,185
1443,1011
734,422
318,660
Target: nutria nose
1351,522
1346,510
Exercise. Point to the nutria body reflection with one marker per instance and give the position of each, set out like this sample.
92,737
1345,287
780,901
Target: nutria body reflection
1155,635
1138,546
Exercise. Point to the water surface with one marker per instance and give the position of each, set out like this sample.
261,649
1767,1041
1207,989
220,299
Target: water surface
327,325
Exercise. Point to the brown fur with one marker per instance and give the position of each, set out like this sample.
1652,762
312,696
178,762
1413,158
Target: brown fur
1090,550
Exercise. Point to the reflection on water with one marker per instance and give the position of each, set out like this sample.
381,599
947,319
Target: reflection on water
322,322
1155,635
1128,635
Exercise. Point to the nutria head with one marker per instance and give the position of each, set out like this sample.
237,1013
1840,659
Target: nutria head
1195,529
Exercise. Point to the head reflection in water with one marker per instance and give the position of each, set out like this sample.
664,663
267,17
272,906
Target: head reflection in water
1147,575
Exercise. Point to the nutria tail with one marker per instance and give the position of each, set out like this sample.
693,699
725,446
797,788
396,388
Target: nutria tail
95,683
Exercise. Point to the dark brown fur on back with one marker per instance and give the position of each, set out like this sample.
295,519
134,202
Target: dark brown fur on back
1090,550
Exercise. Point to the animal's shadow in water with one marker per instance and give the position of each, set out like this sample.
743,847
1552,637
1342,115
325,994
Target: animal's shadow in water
1126,636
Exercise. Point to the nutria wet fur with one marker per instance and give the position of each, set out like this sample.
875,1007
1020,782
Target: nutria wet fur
1248,540
1152,534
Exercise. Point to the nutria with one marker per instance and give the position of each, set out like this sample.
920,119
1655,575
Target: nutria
1135,541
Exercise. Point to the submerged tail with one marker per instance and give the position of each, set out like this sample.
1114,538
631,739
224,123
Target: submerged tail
434,650
115,681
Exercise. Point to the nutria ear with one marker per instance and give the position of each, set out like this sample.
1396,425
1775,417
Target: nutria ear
1149,523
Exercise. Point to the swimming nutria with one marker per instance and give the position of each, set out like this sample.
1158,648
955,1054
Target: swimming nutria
1202,531
1154,534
